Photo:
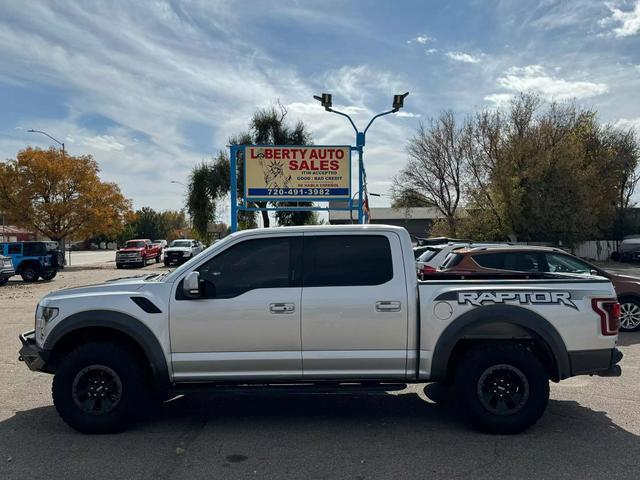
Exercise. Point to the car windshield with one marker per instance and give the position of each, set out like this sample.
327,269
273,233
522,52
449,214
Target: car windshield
181,243
136,244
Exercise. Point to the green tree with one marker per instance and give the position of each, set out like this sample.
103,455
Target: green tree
210,182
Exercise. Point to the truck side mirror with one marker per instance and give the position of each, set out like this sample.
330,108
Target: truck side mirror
191,285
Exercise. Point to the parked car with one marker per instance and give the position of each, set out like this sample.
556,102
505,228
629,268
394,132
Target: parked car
6,269
628,250
138,252
434,255
548,259
181,250
161,243
34,260
242,316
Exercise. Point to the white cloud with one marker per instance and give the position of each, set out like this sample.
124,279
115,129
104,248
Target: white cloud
103,142
627,21
500,100
627,123
535,78
431,51
421,39
462,57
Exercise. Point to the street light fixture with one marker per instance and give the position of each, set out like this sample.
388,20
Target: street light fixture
46,134
326,101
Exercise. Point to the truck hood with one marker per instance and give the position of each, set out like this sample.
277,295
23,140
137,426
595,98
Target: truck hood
177,249
118,285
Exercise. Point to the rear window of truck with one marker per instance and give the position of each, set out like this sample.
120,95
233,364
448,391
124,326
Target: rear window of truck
347,260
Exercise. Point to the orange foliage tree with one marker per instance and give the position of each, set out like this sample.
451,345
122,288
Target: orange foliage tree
60,196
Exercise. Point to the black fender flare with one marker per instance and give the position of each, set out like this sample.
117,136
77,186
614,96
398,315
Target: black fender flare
123,323
498,322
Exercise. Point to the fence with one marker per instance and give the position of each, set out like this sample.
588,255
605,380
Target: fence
595,249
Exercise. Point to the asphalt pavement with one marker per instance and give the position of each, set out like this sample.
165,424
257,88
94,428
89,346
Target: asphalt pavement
590,430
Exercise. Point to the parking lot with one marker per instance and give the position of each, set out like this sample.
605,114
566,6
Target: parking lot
590,430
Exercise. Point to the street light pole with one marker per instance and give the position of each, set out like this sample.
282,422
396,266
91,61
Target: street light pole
368,193
61,145
55,140
326,102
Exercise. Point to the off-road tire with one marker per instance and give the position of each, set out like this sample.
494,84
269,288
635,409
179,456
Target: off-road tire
167,263
158,259
134,391
119,266
48,275
30,273
478,376
3,280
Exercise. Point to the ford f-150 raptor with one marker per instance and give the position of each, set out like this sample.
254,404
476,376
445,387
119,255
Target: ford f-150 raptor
324,308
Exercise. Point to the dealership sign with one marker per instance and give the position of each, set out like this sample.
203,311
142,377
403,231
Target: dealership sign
297,173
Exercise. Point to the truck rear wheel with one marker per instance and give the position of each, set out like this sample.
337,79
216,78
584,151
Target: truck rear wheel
502,388
48,274
100,388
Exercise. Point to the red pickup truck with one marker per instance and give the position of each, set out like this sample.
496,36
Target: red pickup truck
138,252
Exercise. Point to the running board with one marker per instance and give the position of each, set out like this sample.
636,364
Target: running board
290,388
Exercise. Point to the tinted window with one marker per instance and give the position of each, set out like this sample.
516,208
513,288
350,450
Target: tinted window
517,261
347,260
34,249
262,263
451,260
15,248
429,254
564,263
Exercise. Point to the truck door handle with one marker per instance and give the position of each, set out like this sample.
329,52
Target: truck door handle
388,306
282,307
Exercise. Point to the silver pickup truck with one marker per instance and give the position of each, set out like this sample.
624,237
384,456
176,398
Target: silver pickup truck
320,308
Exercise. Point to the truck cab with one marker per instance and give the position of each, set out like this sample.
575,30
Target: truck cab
320,307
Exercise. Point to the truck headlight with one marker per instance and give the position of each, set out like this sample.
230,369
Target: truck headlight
44,315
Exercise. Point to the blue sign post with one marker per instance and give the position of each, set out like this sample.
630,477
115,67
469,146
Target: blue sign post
281,186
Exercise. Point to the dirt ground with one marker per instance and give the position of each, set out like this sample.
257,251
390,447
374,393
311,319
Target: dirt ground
590,430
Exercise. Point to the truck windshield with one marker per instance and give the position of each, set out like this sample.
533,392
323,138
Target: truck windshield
135,244
180,243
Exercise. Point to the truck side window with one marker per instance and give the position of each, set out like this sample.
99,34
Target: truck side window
15,248
346,260
252,264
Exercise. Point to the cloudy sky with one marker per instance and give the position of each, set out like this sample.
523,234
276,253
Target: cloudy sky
152,88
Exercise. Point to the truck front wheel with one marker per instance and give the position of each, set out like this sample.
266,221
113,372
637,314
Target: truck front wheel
100,388
502,388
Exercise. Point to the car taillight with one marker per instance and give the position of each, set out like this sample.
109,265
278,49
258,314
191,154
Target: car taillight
427,269
609,311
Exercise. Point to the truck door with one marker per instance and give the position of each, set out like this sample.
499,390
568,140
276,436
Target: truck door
246,325
354,306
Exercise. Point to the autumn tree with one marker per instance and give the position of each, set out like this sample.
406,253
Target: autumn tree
60,196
